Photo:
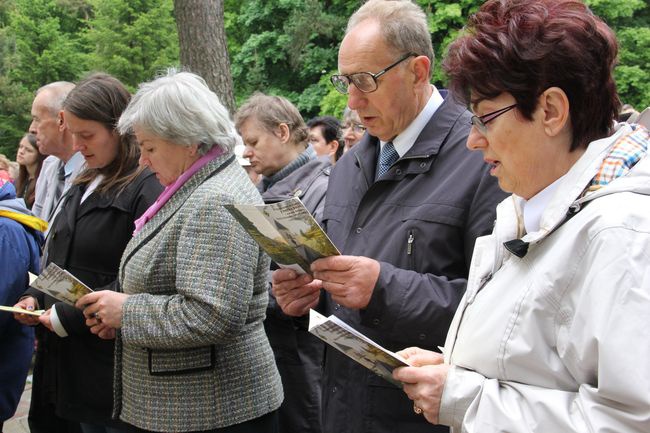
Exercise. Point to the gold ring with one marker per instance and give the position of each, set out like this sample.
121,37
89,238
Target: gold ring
417,409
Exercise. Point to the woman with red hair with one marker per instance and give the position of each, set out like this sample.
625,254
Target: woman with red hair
551,335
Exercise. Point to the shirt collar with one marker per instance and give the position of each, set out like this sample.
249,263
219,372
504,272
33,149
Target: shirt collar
535,206
405,140
75,161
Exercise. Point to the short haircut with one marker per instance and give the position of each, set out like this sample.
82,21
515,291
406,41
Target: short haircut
403,24
331,129
102,98
180,107
523,47
58,91
271,111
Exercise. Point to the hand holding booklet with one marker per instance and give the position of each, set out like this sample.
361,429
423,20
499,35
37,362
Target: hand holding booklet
60,284
286,231
357,346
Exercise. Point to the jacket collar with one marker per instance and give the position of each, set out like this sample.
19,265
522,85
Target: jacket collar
175,203
426,146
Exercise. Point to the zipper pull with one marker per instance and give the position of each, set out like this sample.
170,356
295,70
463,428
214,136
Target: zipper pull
409,245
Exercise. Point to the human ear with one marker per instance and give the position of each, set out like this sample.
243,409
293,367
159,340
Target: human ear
554,104
61,120
421,67
282,132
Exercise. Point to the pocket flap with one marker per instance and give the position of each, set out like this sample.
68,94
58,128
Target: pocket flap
170,362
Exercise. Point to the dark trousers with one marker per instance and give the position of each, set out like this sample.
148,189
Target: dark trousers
265,424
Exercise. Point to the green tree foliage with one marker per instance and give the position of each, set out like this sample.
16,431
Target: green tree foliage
285,47
630,19
48,45
132,39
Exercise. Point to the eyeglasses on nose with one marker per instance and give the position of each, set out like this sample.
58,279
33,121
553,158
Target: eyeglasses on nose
480,122
356,127
366,82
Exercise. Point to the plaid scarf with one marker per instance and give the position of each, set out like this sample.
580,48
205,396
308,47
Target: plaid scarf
624,154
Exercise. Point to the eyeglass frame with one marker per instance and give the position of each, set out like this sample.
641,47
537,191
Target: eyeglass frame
480,122
356,127
374,77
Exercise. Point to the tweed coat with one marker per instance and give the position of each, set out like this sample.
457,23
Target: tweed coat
192,353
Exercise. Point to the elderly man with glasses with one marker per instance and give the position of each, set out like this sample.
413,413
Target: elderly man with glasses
404,206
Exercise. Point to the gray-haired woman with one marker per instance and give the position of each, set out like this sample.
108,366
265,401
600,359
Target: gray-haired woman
191,351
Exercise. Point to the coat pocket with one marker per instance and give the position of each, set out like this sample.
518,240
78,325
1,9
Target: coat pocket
174,362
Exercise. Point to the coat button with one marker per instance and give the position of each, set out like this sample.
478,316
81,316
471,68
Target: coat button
376,321
422,336
423,164
337,307
359,230
398,171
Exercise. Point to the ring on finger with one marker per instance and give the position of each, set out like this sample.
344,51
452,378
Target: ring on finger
417,409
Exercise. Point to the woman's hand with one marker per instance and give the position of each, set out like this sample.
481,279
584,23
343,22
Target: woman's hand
424,382
102,308
27,303
417,357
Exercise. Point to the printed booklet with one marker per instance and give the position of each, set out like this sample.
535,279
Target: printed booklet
21,311
357,346
286,231
60,284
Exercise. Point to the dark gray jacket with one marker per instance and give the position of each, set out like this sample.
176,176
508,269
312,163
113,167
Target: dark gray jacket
420,221
298,354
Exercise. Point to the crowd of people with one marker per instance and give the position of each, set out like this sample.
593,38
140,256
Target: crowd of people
494,234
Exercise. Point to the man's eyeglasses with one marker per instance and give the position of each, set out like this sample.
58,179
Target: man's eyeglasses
366,82
481,121
356,127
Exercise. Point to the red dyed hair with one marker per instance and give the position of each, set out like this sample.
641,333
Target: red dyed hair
523,47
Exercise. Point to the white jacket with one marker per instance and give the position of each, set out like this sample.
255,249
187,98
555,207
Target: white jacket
559,340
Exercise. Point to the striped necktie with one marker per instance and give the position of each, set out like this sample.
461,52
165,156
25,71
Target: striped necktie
387,158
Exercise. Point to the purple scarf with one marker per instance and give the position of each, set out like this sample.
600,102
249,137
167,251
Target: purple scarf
169,191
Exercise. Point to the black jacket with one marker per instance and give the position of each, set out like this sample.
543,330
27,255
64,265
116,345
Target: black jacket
420,221
298,354
76,373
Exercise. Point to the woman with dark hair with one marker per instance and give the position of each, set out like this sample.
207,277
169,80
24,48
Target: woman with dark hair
551,335
30,161
74,369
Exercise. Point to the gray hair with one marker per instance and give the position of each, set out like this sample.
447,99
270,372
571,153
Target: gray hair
180,108
58,91
403,25
271,111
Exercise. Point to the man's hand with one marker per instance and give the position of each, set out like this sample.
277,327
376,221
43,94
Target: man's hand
27,303
295,294
349,279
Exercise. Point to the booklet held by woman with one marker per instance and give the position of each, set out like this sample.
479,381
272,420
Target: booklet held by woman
60,284
357,346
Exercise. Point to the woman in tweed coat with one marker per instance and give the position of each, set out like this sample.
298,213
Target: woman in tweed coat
191,351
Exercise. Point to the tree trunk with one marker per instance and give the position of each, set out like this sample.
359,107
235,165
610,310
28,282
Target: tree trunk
203,45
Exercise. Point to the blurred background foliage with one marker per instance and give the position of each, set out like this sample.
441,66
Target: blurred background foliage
283,47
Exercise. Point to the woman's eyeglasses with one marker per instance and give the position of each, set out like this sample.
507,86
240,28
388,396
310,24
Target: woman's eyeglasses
480,122
366,82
